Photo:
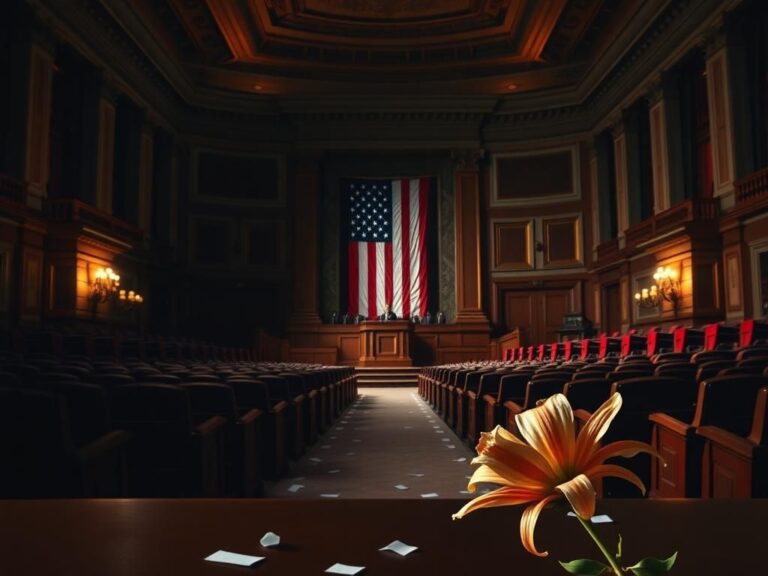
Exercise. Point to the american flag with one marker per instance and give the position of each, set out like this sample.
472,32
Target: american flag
387,246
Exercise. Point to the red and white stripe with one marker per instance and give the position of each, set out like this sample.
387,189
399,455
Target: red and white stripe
394,272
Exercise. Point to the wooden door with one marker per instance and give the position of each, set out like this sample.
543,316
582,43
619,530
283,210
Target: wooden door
538,313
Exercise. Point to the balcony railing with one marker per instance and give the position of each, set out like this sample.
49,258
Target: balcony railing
686,212
71,210
752,187
13,189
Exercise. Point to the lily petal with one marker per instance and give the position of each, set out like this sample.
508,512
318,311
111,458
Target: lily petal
516,461
580,494
550,430
528,524
595,429
487,475
506,496
623,448
604,470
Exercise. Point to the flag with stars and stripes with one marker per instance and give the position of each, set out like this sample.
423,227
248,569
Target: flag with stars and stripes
387,252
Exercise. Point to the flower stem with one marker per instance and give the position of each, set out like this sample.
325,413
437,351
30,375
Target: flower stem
608,556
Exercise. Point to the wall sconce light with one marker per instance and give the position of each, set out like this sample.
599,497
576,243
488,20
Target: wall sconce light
130,299
104,285
666,287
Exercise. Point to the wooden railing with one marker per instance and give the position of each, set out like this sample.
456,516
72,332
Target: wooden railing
753,186
699,210
71,210
13,189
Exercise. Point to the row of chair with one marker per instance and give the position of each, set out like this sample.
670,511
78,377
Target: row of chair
659,394
163,429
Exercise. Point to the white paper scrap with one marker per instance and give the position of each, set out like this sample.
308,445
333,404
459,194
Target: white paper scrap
430,495
445,439
295,487
450,446
329,495
436,427
315,460
399,548
599,519
270,539
233,558
401,487
334,471
460,460
416,474
439,432
345,569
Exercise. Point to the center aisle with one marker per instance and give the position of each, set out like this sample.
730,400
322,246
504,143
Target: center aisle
388,444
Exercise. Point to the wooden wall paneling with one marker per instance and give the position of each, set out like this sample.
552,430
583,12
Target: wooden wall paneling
31,285
512,244
536,177
622,184
520,311
305,243
39,94
733,283
624,297
562,238
105,152
555,305
469,293
659,153
145,168
720,121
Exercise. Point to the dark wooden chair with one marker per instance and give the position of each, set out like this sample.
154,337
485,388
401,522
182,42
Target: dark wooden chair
169,454
250,394
736,466
476,415
43,461
243,444
535,391
511,387
642,397
587,393
723,401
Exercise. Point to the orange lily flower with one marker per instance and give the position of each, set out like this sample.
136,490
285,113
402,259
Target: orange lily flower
553,463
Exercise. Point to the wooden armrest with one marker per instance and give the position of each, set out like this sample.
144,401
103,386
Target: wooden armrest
728,440
279,407
472,395
103,445
490,399
513,406
582,415
251,416
211,426
670,423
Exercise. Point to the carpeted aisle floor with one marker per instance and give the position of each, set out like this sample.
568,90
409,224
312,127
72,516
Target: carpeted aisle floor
388,444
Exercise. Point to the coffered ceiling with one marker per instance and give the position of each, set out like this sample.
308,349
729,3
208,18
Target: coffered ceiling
384,47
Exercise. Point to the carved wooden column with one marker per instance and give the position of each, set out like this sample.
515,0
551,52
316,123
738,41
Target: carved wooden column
306,240
38,123
622,181
659,153
469,291
720,119
105,152
146,157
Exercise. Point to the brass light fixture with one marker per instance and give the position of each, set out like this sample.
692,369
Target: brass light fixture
105,284
666,287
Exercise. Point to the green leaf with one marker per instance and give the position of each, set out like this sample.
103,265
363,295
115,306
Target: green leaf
618,549
584,567
653,566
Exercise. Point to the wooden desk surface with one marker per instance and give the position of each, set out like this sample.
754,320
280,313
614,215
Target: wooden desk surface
171,537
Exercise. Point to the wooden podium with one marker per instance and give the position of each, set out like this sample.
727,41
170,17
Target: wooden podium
385,343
